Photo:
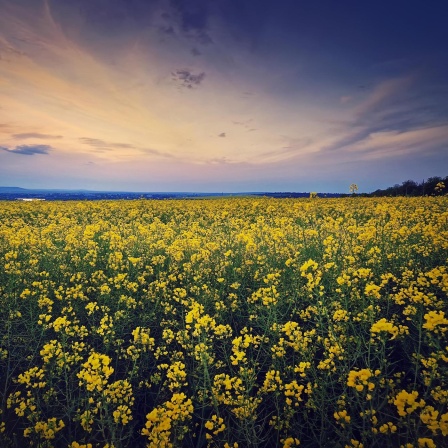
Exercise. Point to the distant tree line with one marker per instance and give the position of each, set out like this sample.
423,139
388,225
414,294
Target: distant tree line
434,186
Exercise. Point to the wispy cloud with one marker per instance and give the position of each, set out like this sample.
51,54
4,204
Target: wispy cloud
293,146
98,143
224,161
223,134
247,124
384,94
155,152
36,135
103,145
395,120
28,150
386,144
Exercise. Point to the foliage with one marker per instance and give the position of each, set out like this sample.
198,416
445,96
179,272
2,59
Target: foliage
434,186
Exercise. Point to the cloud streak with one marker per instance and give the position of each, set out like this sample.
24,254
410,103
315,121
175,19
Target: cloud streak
389,144
36,135
102,145
98,143
384,95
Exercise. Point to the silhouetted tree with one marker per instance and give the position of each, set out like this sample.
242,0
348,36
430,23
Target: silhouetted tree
410,188
429,187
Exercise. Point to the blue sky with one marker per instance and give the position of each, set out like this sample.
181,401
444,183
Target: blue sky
222,95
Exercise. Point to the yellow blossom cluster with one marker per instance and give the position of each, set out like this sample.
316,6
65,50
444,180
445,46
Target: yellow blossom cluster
436,322
359,379
407,402
383,325
96,370
163,427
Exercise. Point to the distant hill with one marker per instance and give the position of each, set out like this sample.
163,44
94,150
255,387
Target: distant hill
16,193
12,190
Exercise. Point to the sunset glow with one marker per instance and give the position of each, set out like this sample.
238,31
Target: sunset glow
221,96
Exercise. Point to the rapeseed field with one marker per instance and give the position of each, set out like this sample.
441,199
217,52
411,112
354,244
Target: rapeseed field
224,323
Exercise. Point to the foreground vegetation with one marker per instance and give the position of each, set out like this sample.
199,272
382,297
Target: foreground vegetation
225,323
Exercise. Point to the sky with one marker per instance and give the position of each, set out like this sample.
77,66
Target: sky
222,95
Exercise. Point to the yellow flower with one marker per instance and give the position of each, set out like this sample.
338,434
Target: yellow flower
47,430
406,402
359,379
424,442
384,326
342,417
435,320
290,441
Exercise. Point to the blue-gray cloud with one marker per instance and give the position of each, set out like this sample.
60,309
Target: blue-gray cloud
112,18
193,17
28,150
193,14
187,79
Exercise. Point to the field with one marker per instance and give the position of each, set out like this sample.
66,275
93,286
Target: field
224,323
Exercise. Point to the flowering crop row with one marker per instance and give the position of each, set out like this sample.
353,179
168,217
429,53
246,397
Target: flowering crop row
224,323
